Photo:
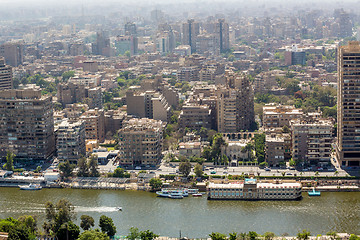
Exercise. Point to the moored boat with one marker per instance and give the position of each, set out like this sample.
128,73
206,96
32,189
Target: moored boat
31,186
197,195
172,193
314,193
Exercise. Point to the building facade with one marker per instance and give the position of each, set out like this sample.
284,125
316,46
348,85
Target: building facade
140,142
27,124
70,141
348,105
6,81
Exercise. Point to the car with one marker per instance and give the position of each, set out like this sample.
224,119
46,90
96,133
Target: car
147,166
177,171
152,172
267,169
159,169
225,172
289,174
320,169
137,168
292,168
331,169
211,168
213,172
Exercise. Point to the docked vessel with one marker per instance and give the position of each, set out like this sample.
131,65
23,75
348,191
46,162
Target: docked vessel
251,189
173,193
31,186
314,193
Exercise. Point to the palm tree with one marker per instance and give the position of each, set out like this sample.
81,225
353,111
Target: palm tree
249,147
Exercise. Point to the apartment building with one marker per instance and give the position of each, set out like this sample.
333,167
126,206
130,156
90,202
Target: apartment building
27,124
6,81
195,116
94,124
140,142
348,105
70,140
311,141
149,104
277,149
277,116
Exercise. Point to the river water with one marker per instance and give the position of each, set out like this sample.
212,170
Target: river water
194,217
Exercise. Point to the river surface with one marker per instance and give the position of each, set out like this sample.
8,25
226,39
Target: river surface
194,217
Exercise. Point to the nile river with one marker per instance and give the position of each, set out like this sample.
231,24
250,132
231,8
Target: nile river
195,217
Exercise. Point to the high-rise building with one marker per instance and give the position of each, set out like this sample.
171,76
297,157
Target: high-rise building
235,105
348,105
94,124
13,52
70,141
130,29
140,142
27,124
191,30
102,45
311,141
222,35
5,75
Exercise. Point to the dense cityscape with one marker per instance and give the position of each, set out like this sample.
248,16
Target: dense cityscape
138,120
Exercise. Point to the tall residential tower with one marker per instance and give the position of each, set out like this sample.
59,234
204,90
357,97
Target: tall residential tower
348,105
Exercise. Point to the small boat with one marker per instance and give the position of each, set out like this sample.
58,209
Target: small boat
314,193
176,196
31,186
192,190
118,208
197,195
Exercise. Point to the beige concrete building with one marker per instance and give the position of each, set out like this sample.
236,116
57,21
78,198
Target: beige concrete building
13,52
140,142
277,116
274,150
348,105
6,81
190,149
70,140
27,124
194,116
94,124
311,141
149,104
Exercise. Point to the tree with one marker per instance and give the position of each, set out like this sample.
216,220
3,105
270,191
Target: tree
217,236
185,168
304,235
67,75
86,222
83,168
93,167
354,237
233,236
57,214
120,173
252,235
93,235
333,235
133,233
198,170
155,184
38,169
224,160
148,235
66,169
249,147
107,226
29,222
69,231
9,166
269,235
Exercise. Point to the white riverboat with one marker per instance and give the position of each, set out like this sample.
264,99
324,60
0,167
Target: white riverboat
251,189
31,186
173,193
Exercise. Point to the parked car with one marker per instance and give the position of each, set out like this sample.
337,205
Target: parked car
267,169
289,174
213,172
137,168
225,172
